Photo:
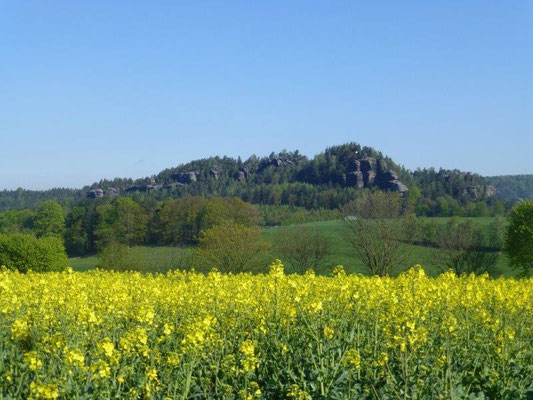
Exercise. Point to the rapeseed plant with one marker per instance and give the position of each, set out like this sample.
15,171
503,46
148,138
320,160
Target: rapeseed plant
184,335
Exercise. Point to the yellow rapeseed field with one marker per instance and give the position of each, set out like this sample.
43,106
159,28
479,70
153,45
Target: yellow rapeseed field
181,335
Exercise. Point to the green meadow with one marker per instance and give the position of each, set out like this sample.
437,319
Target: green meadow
161,259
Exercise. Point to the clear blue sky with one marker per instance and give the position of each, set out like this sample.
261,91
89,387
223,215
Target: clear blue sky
102,89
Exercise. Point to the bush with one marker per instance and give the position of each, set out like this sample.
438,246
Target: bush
25,252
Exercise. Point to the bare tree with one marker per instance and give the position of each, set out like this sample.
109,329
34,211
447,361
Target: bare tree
378,231
460,248
303,248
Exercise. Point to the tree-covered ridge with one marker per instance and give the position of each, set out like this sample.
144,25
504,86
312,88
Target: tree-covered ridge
22,198
328,180
325,168
513,186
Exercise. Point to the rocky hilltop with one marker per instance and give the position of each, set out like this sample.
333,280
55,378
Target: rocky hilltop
371,172
291,178
366,172
327,180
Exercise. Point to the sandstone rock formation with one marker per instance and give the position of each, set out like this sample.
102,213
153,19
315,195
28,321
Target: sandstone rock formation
143,188
215,172
370,172
355,179
171,185
95,193
242,174
185,177
274,161
367,172
470,191
111,191
490,190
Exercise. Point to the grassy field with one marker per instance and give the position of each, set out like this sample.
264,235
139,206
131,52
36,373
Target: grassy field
342,252
153,259
83,263
165,258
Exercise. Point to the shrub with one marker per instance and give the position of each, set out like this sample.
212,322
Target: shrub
25,252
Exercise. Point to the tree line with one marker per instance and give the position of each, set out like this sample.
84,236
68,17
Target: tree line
383,230
380,226
93,226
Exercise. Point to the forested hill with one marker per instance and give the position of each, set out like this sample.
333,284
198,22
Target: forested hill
22,198
513,186
327,180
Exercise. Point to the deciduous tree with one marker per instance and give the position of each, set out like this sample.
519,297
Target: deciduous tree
519,237
460,248
303,248
231,247
49,219
378,231
123,221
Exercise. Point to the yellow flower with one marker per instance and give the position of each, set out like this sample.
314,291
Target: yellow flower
328,332
247,348
107,347
32,361
296,393
383,359
338,271
276,269
151,374
173,359
146,314
143,333
101,369
44,391
75,357
249,361
19,329
168,329
352,358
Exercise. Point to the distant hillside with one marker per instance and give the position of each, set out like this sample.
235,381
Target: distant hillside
22,198
513,187
328,180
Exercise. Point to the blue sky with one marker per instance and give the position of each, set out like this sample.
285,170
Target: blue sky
103,89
